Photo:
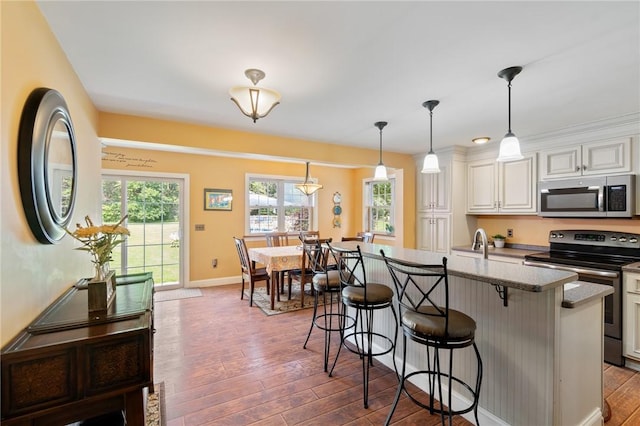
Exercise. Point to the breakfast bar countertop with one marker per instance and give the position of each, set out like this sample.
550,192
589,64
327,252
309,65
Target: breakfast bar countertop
526,278
519,251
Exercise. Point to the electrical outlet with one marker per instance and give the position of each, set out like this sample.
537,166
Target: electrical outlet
214,263
510,233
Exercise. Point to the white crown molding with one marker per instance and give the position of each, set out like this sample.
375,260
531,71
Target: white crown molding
627,125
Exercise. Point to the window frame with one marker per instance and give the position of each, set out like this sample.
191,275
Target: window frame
281,180
367,196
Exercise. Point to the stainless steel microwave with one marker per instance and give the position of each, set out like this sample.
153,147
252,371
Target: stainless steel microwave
605,196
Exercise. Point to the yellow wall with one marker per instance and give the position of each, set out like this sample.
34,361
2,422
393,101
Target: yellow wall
212,171
534,230
229,173
32,275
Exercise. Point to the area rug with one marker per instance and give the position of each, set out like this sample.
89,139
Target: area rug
155,406
263,301
180,293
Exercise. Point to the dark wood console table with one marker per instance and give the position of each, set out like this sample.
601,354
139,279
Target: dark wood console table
67,366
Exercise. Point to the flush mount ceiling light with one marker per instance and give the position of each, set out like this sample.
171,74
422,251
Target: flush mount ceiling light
481,140
308,187
254,102
430,160
381,170
510,145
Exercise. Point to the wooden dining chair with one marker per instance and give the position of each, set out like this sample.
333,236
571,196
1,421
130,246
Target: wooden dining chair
361,239
279,239
309,235
249,271
367,237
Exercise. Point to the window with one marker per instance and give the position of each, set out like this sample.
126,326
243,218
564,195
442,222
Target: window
379,206
276,205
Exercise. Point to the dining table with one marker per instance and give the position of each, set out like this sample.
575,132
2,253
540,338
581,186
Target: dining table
276,260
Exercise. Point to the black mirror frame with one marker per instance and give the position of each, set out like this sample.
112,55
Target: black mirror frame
42,110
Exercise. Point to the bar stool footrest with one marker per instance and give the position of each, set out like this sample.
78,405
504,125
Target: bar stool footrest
355,338
469,393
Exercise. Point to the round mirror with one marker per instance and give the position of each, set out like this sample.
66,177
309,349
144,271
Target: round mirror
47,164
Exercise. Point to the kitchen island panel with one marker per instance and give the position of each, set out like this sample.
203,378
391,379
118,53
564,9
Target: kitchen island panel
521,346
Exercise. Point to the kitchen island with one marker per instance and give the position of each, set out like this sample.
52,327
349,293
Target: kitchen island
542,362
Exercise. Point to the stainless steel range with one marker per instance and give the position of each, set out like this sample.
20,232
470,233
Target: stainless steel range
597,257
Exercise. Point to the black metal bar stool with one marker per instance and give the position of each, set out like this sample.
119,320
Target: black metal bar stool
434,325
325,282
365,298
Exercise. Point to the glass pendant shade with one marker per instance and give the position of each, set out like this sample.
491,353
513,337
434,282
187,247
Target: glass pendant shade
308,188
509,148
431,164
254,102
381,173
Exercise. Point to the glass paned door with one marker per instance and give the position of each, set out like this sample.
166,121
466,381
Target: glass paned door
155,209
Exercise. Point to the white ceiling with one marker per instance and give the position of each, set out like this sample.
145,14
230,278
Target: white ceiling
341,66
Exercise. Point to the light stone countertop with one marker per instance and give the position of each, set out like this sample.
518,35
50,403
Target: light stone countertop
526,278
516,251
581,292
633,267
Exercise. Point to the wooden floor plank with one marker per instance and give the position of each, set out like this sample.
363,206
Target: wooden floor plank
224,363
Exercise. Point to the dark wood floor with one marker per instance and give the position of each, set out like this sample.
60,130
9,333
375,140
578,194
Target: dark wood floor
223,363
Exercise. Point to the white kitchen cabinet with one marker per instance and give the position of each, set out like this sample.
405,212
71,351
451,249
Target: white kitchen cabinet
594,158
502,188
434,232
434,190
441,222
631,309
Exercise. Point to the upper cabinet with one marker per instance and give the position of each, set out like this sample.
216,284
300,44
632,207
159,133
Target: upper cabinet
434,190
502,188
440,203
595,158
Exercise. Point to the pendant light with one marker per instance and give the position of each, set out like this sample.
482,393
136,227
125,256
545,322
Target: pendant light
510,145
381,170
254,102
430,160
307,188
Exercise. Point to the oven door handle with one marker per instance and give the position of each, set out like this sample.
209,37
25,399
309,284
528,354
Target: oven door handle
593,272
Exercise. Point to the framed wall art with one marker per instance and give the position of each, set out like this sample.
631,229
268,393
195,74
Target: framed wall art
218,199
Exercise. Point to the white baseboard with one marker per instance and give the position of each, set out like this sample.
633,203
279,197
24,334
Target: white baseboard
214,282
632,364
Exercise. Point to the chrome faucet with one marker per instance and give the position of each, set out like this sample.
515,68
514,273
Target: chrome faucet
482,243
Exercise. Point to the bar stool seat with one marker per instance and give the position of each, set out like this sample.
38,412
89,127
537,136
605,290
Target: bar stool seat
375,294
461,326
437,327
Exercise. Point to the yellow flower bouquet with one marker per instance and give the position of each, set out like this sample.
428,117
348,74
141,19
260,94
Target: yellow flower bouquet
99,241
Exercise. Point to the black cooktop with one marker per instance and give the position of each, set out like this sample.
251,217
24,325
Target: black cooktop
582,259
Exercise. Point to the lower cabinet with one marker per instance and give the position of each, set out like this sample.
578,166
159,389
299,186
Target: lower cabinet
434,232
631,309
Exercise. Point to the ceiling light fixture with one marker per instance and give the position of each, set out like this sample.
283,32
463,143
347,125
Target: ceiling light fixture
307,188
481,140
381,170
430,160
510,145
254,102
